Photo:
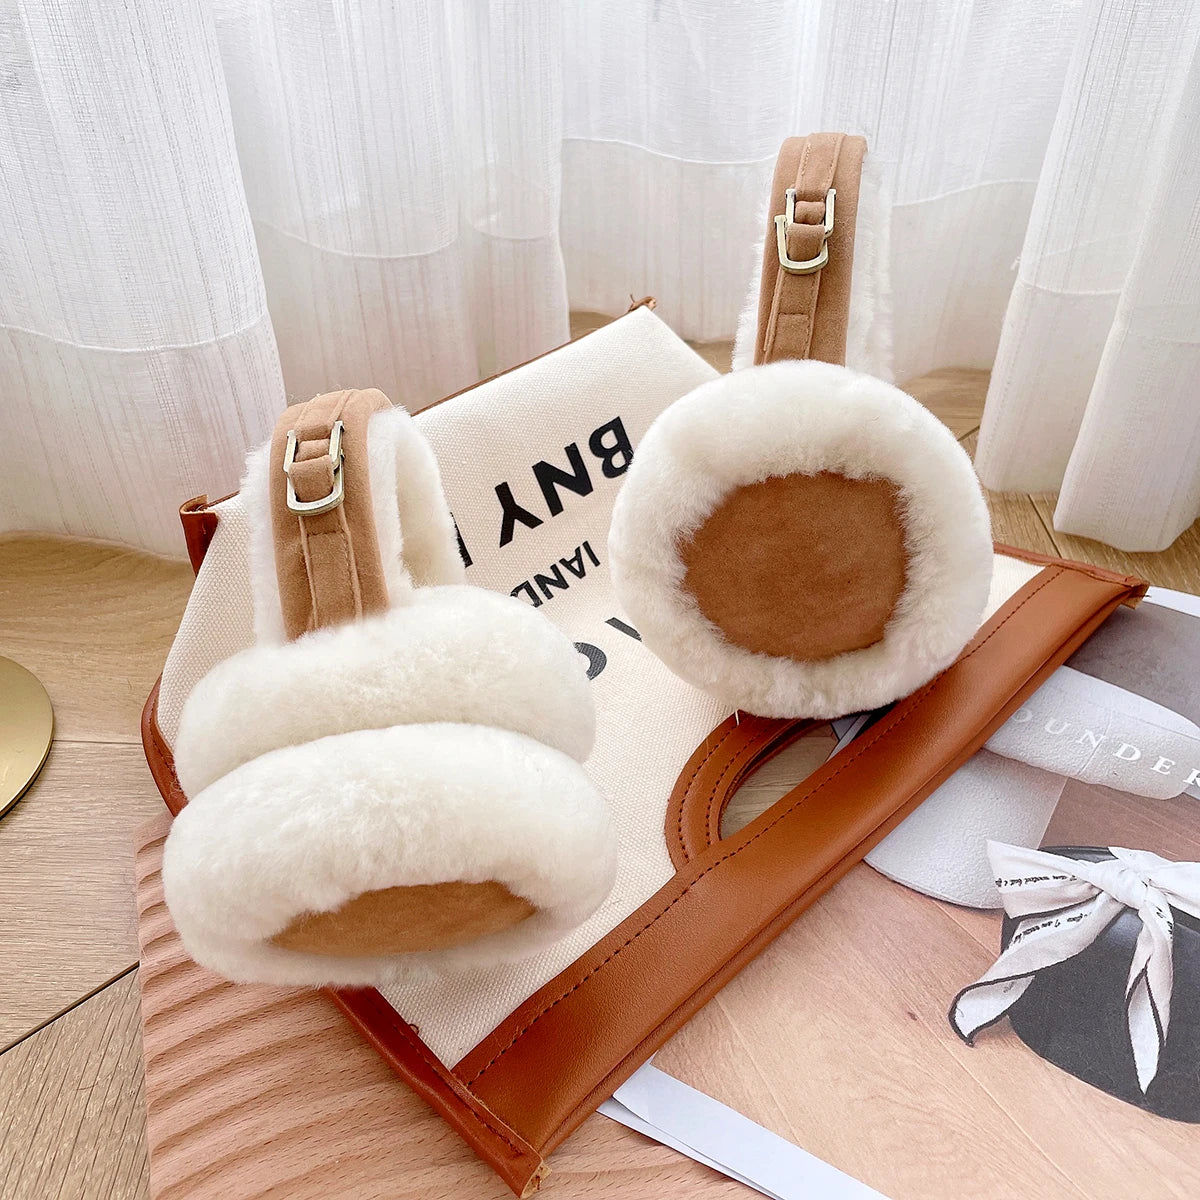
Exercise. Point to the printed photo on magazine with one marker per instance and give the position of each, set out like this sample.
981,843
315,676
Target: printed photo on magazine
1019,962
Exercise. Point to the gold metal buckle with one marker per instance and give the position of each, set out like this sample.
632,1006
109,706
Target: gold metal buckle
337,493
786,219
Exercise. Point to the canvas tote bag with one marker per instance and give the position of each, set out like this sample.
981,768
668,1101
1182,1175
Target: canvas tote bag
514,1057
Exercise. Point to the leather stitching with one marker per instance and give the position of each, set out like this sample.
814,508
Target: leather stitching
746,751
687,787
882,728
398,1025
1102,574
775,739
405,1031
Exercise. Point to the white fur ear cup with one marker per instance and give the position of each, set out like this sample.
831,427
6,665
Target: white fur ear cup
306,829
802,540
395,793
437,743
458,654
429,547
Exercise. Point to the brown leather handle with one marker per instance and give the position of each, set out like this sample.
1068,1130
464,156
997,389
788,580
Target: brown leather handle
805,313
591,1026
327,556
744,745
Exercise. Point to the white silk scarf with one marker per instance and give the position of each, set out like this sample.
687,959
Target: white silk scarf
1064,904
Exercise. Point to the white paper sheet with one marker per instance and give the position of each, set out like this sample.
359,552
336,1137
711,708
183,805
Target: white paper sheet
668,1110
1183,602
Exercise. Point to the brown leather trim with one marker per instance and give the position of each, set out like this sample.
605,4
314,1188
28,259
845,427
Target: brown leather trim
158,754
1136,584
692,826
737,895
199,525
508,1154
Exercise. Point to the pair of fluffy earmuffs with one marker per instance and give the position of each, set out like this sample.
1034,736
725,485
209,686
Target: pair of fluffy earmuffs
391,778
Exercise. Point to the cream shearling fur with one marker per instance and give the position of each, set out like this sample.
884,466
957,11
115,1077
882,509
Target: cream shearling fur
746,336
437,741
425,553
307,828
801,418
457,654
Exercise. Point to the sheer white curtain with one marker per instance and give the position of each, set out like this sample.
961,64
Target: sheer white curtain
417,193
1096,387
136,355
401,166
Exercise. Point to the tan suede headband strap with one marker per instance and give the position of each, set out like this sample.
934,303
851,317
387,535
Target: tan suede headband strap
804,297
326,548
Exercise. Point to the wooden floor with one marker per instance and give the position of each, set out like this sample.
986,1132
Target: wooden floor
836,1036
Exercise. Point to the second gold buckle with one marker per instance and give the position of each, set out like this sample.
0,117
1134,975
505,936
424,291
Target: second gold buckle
786,219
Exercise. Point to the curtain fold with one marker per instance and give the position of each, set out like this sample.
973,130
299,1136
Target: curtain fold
1112,213
1133,478
209,206
137,359
401,164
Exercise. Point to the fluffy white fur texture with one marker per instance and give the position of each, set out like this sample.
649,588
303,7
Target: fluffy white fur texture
458,654
746,337
802,418
415,530
305,829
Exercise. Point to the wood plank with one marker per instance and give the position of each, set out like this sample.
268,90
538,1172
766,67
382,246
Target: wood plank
954,395
239,1077
67,918
94,622
71,1104
1176,567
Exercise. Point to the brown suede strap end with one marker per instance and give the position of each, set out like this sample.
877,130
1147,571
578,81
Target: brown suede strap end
802,312
327,562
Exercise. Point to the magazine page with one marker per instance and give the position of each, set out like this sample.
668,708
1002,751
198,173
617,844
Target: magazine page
1007,1002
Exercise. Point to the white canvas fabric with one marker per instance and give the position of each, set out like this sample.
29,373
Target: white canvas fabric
573,416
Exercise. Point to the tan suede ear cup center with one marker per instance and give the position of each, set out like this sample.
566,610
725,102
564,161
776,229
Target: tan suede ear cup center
800,566
405,920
